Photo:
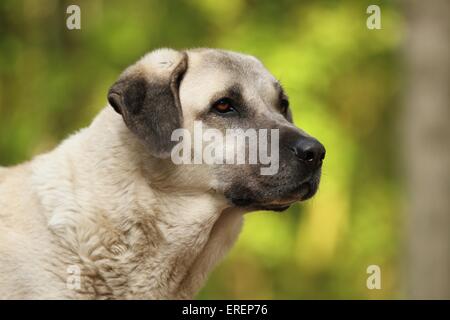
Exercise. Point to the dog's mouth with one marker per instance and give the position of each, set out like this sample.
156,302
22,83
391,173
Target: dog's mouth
301,192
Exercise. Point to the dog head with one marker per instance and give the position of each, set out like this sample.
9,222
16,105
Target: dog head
218,90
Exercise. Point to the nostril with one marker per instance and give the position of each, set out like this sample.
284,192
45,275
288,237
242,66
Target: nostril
304,155
308,156
309,151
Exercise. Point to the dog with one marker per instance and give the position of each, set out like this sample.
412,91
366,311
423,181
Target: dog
108,215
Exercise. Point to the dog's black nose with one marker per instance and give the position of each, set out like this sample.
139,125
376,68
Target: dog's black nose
310,151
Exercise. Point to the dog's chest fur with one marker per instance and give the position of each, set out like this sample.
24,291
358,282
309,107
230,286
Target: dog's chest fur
127,238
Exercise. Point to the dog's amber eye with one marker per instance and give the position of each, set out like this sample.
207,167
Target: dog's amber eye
224,105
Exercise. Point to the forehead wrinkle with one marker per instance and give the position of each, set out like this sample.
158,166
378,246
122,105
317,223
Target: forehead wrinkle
233,91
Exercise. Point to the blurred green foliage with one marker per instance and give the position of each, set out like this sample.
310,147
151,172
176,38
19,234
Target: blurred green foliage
344,84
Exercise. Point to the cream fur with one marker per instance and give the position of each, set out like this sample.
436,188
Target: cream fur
98,202
100,209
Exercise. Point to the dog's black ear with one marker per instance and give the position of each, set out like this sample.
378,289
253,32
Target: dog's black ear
147,97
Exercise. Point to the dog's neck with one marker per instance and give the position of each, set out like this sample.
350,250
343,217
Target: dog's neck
133,229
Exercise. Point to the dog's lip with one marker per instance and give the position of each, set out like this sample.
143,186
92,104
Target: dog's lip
301,192
298,192
307,191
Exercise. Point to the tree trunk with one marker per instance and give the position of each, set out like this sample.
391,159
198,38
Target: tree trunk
427,142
